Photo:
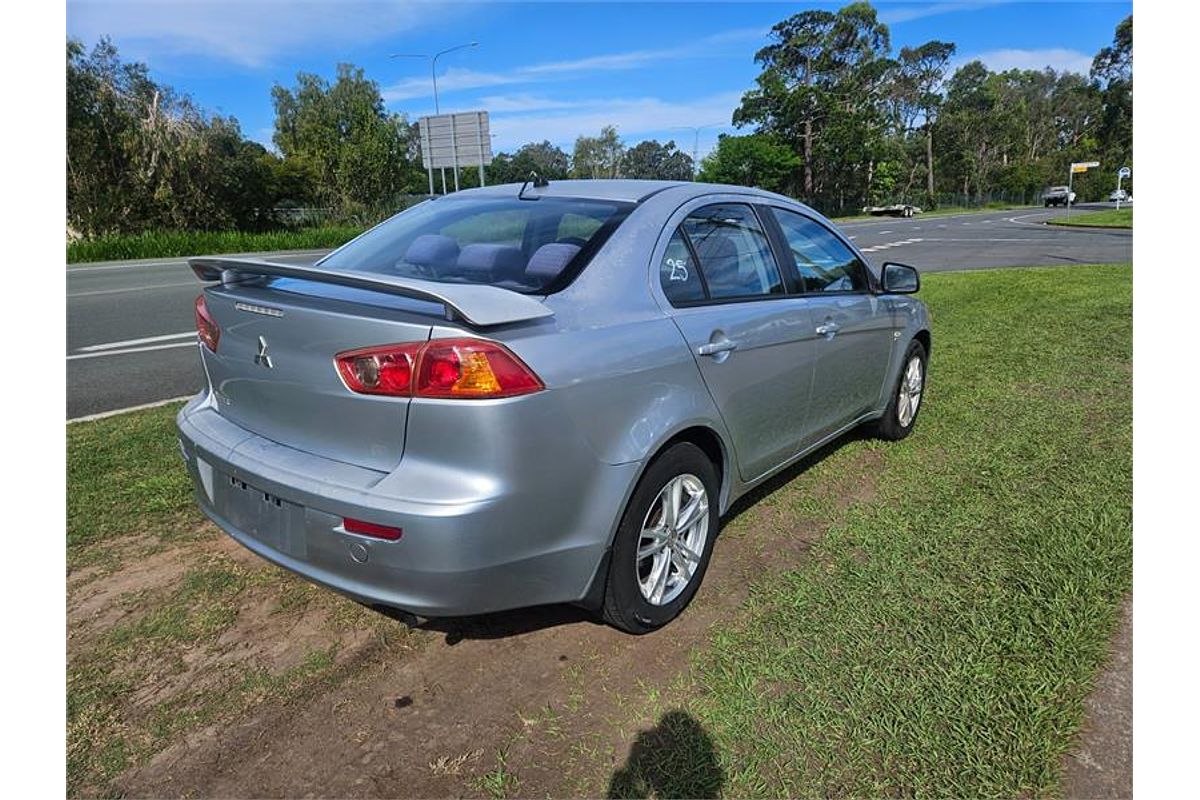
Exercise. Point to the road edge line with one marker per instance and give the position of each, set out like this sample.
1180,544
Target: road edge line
118,411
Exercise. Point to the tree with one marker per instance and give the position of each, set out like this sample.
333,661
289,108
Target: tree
754,160
548,161
142,156
1112,70
823,89
598,156
360,153
655,161
921,72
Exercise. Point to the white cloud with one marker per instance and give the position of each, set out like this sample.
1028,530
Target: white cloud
461,79
634,118
1060,59
524,102
896,13
246,32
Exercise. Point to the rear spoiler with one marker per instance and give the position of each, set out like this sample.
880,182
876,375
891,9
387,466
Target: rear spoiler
476,304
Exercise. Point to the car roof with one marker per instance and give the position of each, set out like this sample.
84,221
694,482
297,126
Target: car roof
619,189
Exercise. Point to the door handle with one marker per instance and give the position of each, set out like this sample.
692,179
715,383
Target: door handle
829,328
716,348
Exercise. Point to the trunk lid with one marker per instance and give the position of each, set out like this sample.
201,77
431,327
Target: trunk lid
274,372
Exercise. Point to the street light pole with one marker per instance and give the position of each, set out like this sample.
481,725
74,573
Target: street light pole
437,108
695,129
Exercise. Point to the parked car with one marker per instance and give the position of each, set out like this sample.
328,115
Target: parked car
513,396
1119,195
1057,196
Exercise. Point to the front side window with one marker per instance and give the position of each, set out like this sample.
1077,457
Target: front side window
825,264
732,255
524,245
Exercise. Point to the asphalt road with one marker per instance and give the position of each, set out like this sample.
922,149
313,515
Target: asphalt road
131,334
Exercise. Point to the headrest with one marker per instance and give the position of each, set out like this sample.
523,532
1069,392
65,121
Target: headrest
549,260
492,261
432,250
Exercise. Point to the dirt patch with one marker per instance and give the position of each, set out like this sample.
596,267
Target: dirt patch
1102,764
530,692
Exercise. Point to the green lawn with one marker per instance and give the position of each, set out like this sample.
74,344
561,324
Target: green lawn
173,244
940,639
1110,218
937,641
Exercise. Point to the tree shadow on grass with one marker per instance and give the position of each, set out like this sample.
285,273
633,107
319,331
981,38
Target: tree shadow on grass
673,759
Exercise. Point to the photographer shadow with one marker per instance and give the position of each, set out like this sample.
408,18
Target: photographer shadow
673,759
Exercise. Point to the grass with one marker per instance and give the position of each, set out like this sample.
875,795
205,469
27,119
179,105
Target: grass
182,645
1110,218
125,476
172,244
940,639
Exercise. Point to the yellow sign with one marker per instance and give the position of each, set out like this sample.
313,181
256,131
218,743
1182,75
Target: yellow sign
1079,168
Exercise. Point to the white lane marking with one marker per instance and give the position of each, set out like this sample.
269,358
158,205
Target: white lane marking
852,238
887,245
133,289
166,337
116,411
881,233
75,356
916,227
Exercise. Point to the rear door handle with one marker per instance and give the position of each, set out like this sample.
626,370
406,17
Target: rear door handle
828,329
716,348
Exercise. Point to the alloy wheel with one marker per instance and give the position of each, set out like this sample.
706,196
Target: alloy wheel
911,386
672,539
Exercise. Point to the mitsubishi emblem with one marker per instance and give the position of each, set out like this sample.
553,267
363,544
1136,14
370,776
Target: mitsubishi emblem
263,358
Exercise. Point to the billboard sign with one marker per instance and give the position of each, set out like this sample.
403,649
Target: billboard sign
455,140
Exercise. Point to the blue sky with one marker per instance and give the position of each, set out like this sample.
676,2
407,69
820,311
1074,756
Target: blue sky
545,70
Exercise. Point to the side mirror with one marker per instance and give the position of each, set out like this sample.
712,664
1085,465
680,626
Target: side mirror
900,279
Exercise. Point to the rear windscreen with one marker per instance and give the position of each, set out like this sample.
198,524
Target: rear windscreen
529,246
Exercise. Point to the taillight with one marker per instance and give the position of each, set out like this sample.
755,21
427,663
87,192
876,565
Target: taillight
379,370
206,326
364,528
472,368
446,368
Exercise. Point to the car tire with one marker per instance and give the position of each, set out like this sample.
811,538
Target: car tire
633,599
898,420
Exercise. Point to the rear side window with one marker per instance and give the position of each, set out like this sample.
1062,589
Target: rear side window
679,275
825,264
731,255
529,246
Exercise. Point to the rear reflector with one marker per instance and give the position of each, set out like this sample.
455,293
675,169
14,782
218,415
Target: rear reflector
206,326
446,368
371,529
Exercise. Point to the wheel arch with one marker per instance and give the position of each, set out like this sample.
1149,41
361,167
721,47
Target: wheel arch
926,339
713,445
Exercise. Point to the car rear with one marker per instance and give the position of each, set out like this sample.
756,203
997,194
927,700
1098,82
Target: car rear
370,422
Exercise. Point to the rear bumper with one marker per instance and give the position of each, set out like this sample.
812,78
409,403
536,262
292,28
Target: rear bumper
486,543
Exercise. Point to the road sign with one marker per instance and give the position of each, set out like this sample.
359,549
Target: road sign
1124,172
1076,166
456,140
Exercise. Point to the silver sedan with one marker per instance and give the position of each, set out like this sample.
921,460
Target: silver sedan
536,394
